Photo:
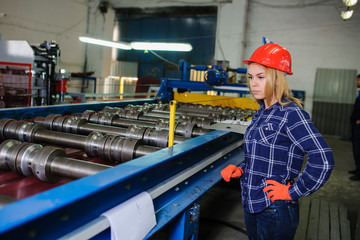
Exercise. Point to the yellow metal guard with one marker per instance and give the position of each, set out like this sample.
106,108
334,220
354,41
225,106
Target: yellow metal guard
223,101
172,123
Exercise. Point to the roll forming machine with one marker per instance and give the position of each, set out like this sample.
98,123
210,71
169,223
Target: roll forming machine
63,166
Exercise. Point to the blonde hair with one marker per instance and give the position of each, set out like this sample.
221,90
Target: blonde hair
276,86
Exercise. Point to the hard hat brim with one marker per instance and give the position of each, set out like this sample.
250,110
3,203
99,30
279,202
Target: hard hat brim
248,62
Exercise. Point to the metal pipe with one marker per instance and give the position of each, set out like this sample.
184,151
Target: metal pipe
116,120
183,126
172,123
73,168
142,150
152,118
179,139
60,138
123,122
108,147
136,114
80,126
214,116
200,131
48,164
87,128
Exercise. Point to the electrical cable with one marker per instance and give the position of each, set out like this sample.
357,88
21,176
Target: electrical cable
162,58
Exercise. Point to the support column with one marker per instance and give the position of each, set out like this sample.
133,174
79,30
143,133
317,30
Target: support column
100,24
231,32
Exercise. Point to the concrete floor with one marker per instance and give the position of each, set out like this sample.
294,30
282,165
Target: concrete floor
221,210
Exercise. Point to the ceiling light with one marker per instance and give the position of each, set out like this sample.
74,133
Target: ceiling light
162,46
112,44
346,14
350,3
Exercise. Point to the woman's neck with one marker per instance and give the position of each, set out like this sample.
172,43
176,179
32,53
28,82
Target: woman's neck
270,103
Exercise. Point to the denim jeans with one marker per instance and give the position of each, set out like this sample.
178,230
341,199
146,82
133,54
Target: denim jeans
277,222
355,137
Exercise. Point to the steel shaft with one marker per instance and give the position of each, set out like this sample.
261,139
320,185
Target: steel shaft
81,126
108,147
139,114
47,163
187,127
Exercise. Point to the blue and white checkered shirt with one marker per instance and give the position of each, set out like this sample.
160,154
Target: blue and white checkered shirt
275,144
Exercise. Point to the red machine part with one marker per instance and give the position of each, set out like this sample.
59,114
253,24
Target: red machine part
61,86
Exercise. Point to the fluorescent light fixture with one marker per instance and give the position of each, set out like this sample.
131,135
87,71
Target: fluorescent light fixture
156,46
350,3
112,44
346,14
162,46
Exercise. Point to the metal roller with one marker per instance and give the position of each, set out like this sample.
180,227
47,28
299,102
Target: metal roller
235,113
123,114
113,119
78,125
182,127
95,144
215,117
48,164
138,115
215,113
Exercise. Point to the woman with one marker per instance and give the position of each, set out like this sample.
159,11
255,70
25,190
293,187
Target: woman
275,142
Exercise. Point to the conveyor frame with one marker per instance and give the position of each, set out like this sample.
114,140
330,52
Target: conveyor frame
59,211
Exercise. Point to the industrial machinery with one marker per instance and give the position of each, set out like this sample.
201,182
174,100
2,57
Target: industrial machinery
64,168
31,78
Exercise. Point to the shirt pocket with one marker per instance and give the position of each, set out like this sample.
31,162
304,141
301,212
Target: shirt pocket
268,133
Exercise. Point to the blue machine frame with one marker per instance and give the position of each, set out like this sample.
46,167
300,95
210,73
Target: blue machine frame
64,209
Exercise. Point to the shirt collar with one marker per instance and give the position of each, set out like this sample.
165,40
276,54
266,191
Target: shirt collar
275,105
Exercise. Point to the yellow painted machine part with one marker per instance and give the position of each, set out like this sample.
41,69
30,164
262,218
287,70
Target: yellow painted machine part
172,123
223,101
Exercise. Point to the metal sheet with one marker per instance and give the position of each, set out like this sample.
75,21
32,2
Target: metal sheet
16,51
334,95
335,85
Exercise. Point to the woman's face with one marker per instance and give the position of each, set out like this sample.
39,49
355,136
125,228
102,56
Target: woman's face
257,80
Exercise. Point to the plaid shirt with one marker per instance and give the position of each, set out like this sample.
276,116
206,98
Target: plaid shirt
275,144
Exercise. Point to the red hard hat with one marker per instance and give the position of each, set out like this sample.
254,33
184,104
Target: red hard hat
272,55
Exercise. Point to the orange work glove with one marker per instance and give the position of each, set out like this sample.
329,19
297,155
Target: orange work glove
277,191
231,171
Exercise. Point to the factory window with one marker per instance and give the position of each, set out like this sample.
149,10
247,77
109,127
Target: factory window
194,25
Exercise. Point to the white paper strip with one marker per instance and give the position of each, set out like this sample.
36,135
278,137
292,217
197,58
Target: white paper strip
133,219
